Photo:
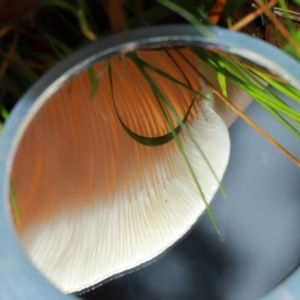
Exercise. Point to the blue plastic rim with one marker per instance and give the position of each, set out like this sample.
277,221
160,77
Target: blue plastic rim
18,277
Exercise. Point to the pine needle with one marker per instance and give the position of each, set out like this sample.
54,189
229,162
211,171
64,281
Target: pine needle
252,16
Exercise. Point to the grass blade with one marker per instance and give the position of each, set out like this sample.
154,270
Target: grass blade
186,15
144,64
241,114
163,102
147,141
250,83
84,26
222,83
14,203
95,80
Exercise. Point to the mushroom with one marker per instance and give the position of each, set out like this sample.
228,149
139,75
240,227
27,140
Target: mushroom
93,201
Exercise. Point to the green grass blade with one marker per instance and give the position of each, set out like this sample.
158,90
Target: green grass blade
222,83
147,141
249,82
144,64
168,76
161,72
162,101
84,25
4,112
259,90
281,119
290,24
14,203
58,3
186,15
157,13
96,79
284,88
58,46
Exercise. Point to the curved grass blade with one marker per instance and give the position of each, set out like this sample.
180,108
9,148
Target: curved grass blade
187,132
147,141
161,72
162,101
176,116
142,63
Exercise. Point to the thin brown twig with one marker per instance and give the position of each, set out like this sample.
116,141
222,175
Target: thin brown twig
248,120
10,58
139,5
35,65
216,11
104,4
293,15
116,15
241,114
27,33
70,25
5,29
10,53
281,28
253,15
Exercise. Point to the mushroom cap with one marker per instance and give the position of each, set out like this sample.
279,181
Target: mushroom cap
94,202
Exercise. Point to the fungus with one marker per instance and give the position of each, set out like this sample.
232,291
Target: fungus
93,201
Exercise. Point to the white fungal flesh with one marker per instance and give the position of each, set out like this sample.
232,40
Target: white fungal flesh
107,238
93,202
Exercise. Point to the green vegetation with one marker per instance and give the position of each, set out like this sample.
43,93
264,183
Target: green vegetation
51,30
